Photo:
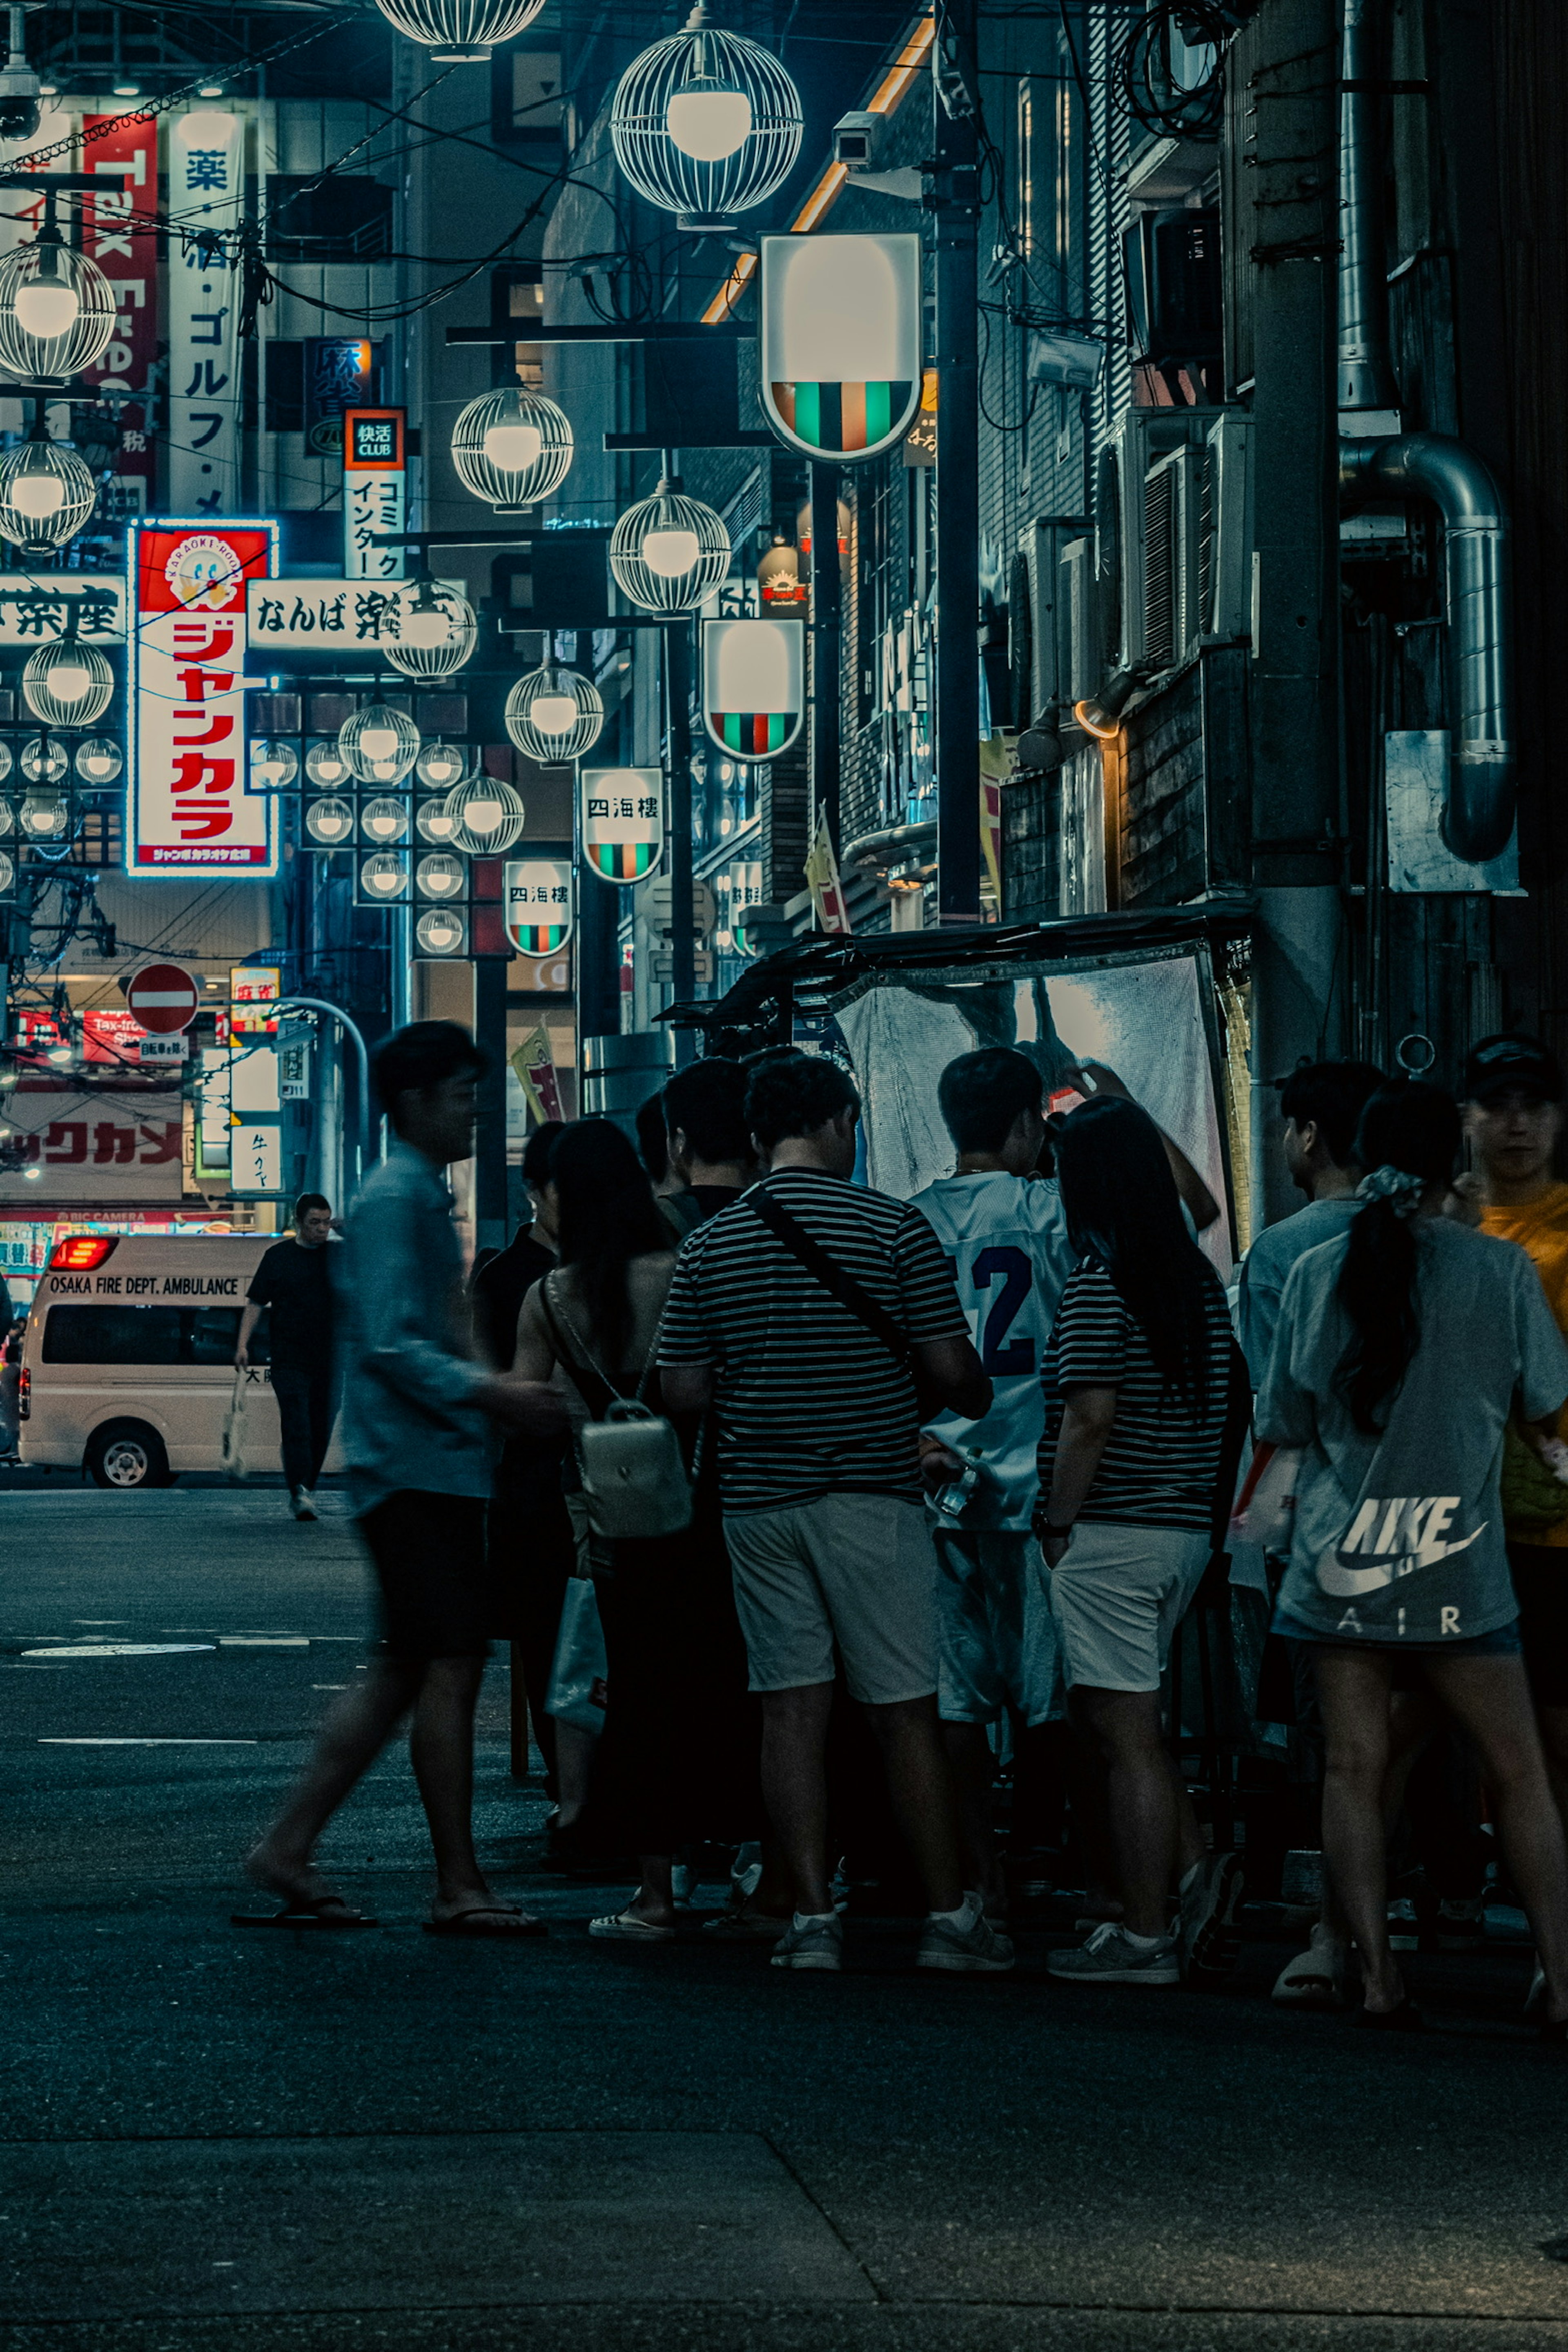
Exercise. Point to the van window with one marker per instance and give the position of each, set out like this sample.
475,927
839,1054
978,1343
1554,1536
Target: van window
144,1334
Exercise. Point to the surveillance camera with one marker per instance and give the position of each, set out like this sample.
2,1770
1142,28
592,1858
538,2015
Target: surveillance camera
20,103
856,139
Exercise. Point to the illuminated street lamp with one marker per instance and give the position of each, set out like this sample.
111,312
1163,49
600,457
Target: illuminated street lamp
459,32
379,745
99,760
436,631
436,822
488,816
46,493
513,448
46,815
67,684
440,877
326,766
273,765
43,762
705,124
669,552
330,821
441,765
57,308
384,877
554,715
384,821
439,932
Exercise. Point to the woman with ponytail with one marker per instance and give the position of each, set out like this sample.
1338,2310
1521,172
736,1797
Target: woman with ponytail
1401,1352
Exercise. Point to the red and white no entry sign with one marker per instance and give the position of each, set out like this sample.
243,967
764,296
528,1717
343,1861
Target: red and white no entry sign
164,998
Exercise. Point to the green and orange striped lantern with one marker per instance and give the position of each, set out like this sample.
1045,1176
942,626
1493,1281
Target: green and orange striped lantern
841,342
622,822
754,685
539,904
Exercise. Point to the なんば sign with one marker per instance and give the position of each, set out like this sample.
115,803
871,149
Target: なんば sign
189,810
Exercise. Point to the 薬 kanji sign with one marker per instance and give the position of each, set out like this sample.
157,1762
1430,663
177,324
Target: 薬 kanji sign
189,811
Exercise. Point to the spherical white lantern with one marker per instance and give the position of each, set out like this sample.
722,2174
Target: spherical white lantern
273,765
379,744
706,124
383,877
43,761
554,715
7,819
669,552
439,932
99,760
513,448
441,765
385,820
440,876
67,684
57,310
46,493
326,766
6,766
436,822
7,870
46,815
459,32
432,631
489,816
330,821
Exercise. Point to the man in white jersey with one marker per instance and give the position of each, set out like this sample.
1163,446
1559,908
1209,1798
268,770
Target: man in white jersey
1004,1234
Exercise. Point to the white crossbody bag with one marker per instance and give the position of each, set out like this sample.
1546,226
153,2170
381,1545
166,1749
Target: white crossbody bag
634,1477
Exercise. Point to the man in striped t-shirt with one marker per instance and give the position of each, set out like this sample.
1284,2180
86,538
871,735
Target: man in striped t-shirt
818,1432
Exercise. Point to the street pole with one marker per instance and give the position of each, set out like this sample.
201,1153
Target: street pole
678,740
362,1068
489,1127
827,614
956,201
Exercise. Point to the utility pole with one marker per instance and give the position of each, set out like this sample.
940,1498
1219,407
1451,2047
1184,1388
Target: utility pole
826,614
955,198
677,742
490,1132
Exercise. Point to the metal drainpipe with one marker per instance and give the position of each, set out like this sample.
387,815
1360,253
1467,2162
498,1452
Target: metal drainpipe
1479,808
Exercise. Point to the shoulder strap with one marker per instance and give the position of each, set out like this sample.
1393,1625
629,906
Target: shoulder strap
832,1277
590,1383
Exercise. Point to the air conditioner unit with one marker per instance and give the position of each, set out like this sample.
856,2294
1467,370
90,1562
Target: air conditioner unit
1226,550
1081,633
1173,608
1040,546
1202,530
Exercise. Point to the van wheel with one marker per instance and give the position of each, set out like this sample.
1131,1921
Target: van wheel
126,1454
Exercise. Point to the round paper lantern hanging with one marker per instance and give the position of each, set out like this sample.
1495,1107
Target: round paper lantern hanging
669,552
68,684
379,744
436,631
56,309
705,124
554,715
459,32
46,493
488,816
441,765
513,448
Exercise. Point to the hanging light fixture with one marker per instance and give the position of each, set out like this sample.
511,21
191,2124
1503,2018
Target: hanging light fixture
326,766
385,875
330,820
488,816
379,744
439,932
46,815
7,871
459,32
43,763
513,448
436,631
57,308
435,821
554,715
7,819
273,765
705,124
669,552
440,877
67,684
385,820
7,764
441,765
46,493
99,760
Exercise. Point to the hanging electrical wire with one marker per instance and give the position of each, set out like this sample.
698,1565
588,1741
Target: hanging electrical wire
1171,91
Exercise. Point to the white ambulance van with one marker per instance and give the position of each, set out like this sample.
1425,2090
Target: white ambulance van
128,1359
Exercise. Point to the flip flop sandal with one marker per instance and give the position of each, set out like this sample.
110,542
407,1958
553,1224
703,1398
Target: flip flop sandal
470,1925
329,1917
1308,1982
630,1929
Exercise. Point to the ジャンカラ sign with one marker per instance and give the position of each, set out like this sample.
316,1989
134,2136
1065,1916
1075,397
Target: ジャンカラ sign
189,810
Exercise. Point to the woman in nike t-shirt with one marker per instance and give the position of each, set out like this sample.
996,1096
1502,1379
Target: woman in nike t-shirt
1402,1349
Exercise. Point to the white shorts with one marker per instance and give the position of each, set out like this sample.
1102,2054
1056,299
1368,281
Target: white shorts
998,1640
853,1573
1118,1595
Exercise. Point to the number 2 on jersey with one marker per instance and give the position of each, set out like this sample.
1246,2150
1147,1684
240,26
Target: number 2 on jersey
998,1353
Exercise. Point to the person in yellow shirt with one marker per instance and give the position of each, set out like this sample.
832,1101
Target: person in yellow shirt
1513,1119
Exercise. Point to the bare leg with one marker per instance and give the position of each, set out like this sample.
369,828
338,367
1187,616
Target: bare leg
920,1787
1353,1691
574,1752
1091,1819
1142,1794
1491,1698
794,1788
353,1734
1553,1723
770,1899
974,1769
441,1748
655,1898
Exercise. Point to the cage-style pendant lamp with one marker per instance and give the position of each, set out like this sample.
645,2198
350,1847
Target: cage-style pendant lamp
459,32
67,684
46,493
489,814
512,449
379,744
705,124
669,552
436,631
57,308
554,715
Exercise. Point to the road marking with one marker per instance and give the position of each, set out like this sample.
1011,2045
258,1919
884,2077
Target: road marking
263,1642
121,1650
149,1743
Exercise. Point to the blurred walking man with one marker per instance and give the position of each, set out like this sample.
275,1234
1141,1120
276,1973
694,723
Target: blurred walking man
416,1413
294,1281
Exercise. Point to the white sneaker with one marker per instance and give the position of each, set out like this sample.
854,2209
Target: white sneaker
1403,1926
811,1942
301,1506
1112,1955
967,1946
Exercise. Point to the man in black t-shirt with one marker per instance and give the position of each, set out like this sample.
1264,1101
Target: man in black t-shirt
294,1280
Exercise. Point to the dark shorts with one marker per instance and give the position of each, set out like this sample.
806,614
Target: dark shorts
1540,1574
435,1587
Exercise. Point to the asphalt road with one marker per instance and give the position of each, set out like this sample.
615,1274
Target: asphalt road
215,2138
